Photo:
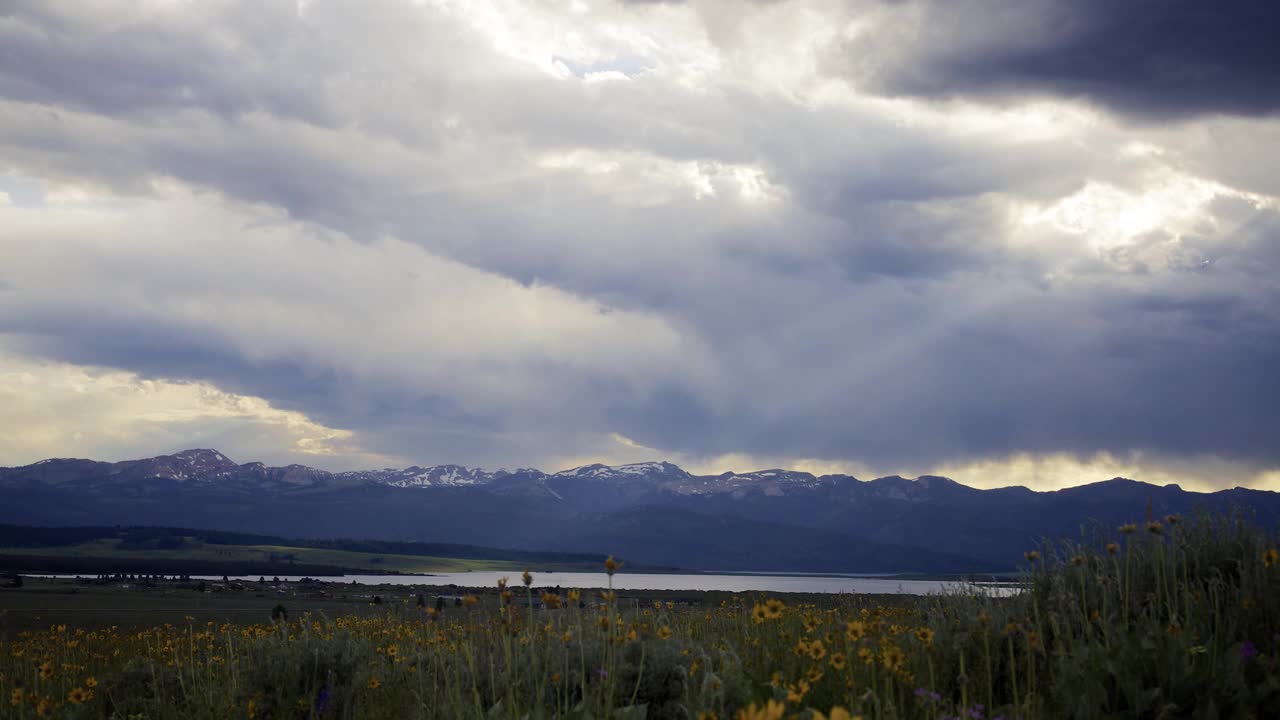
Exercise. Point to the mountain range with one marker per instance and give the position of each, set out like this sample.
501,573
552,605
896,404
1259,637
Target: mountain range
653,513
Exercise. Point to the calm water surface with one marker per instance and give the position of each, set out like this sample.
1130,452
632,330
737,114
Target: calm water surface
642,581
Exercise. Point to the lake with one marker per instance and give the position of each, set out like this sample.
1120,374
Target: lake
644,581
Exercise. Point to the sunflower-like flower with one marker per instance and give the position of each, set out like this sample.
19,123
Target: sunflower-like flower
1077,561
838,661
1112,548
1128,528
574,595
773,608
468,600
772,710
892,658
664,632
551,600
1155,528
1271,557
374,683
758,614
526,578
797,690
817,650
925,636
611,565
855,630
1031,556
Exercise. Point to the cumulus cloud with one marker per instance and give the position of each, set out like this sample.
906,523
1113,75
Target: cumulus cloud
500,233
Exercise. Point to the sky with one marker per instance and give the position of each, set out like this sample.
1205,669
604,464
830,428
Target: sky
1030,242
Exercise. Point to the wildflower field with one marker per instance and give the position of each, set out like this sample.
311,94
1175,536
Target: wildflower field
1167,619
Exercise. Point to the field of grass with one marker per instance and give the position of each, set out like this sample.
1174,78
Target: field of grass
110,548
1169,619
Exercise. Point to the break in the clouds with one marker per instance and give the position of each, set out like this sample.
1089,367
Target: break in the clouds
879,237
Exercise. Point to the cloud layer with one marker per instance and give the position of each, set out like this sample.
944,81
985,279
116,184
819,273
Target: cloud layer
520,234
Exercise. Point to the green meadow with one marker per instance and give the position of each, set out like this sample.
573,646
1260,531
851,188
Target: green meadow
1169,618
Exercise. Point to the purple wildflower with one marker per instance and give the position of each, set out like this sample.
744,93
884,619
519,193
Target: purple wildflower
322,700
1248,649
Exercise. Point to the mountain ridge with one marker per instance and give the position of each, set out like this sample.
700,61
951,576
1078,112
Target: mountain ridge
452,474
658,513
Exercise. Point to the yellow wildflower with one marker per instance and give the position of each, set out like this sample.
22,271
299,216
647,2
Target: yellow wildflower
866,655
1128,528
797,690
79,696
374,683
773,608
925,636
664,632
526,578
610,565
1271,557
892,657
772,710
1112,548
838,661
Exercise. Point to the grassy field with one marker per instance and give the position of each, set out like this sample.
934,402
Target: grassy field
1168,619
109,548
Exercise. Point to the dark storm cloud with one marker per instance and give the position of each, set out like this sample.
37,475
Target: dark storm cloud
1149,58
123,65
879,300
